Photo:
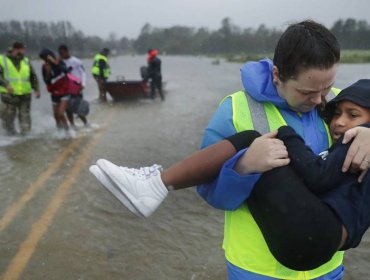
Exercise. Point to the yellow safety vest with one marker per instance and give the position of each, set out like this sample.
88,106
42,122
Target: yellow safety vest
96,71
18,80
244,244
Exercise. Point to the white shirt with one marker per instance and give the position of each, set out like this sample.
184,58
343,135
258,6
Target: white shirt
76,68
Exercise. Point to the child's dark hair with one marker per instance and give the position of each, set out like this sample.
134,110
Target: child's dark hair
304,45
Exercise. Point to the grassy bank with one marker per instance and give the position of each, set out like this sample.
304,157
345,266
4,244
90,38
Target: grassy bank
355,56
347,56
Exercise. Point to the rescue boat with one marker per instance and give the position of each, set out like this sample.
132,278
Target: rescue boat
122,90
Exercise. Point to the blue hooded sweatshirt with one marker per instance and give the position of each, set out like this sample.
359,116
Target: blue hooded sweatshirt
229,190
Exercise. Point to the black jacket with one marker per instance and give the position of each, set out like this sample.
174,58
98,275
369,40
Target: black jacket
55,71
154,69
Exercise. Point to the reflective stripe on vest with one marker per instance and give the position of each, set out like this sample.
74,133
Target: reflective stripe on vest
96,70
19,80
333,93
244,244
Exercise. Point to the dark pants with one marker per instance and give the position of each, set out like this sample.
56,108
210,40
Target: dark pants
13,104
301,231
102,88
74,107
156,84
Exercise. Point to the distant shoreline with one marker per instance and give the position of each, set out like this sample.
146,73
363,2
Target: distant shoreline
347,56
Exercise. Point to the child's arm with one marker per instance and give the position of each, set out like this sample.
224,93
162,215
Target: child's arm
319,175
203,166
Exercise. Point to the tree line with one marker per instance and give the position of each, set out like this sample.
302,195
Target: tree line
228,39
38,34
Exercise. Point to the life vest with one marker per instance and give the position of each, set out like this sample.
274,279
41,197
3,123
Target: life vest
96,71
65,84
18,80
244,244
74,84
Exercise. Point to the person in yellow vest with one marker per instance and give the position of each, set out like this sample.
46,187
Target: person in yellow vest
289,90
317,182
17,81
101,72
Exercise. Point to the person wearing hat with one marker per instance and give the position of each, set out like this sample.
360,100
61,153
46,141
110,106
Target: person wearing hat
17,80
101,72
154,74
310,197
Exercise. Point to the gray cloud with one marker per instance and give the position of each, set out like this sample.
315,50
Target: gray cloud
126,17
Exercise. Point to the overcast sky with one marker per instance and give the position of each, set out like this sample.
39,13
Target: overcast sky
126,17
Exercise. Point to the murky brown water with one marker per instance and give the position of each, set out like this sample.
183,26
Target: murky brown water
58,223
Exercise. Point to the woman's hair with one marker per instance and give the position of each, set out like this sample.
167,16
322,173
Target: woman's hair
305,45
45,52
321,110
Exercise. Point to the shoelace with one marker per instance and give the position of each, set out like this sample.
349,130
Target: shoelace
144,172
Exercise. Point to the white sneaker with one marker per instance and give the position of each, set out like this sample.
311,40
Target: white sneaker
147,170
70,134
142,187
108,184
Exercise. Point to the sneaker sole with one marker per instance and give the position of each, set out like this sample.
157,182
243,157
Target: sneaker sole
110,170
106,182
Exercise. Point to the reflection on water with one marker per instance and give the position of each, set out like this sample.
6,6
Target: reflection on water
92,236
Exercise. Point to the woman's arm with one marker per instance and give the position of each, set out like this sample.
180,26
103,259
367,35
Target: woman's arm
46,73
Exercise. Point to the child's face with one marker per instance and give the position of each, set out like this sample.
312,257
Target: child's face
346,116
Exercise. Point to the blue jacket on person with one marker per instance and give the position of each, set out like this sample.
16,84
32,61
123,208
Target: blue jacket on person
229,190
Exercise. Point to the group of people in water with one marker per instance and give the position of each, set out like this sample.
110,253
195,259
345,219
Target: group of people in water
64,76
287,159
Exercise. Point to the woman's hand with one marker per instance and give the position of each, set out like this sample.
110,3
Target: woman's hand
51,59
358,155
9,89
265,153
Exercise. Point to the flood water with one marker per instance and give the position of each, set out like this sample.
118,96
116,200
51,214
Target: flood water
57,222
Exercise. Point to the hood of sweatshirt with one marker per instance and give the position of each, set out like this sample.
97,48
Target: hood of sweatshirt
257,81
